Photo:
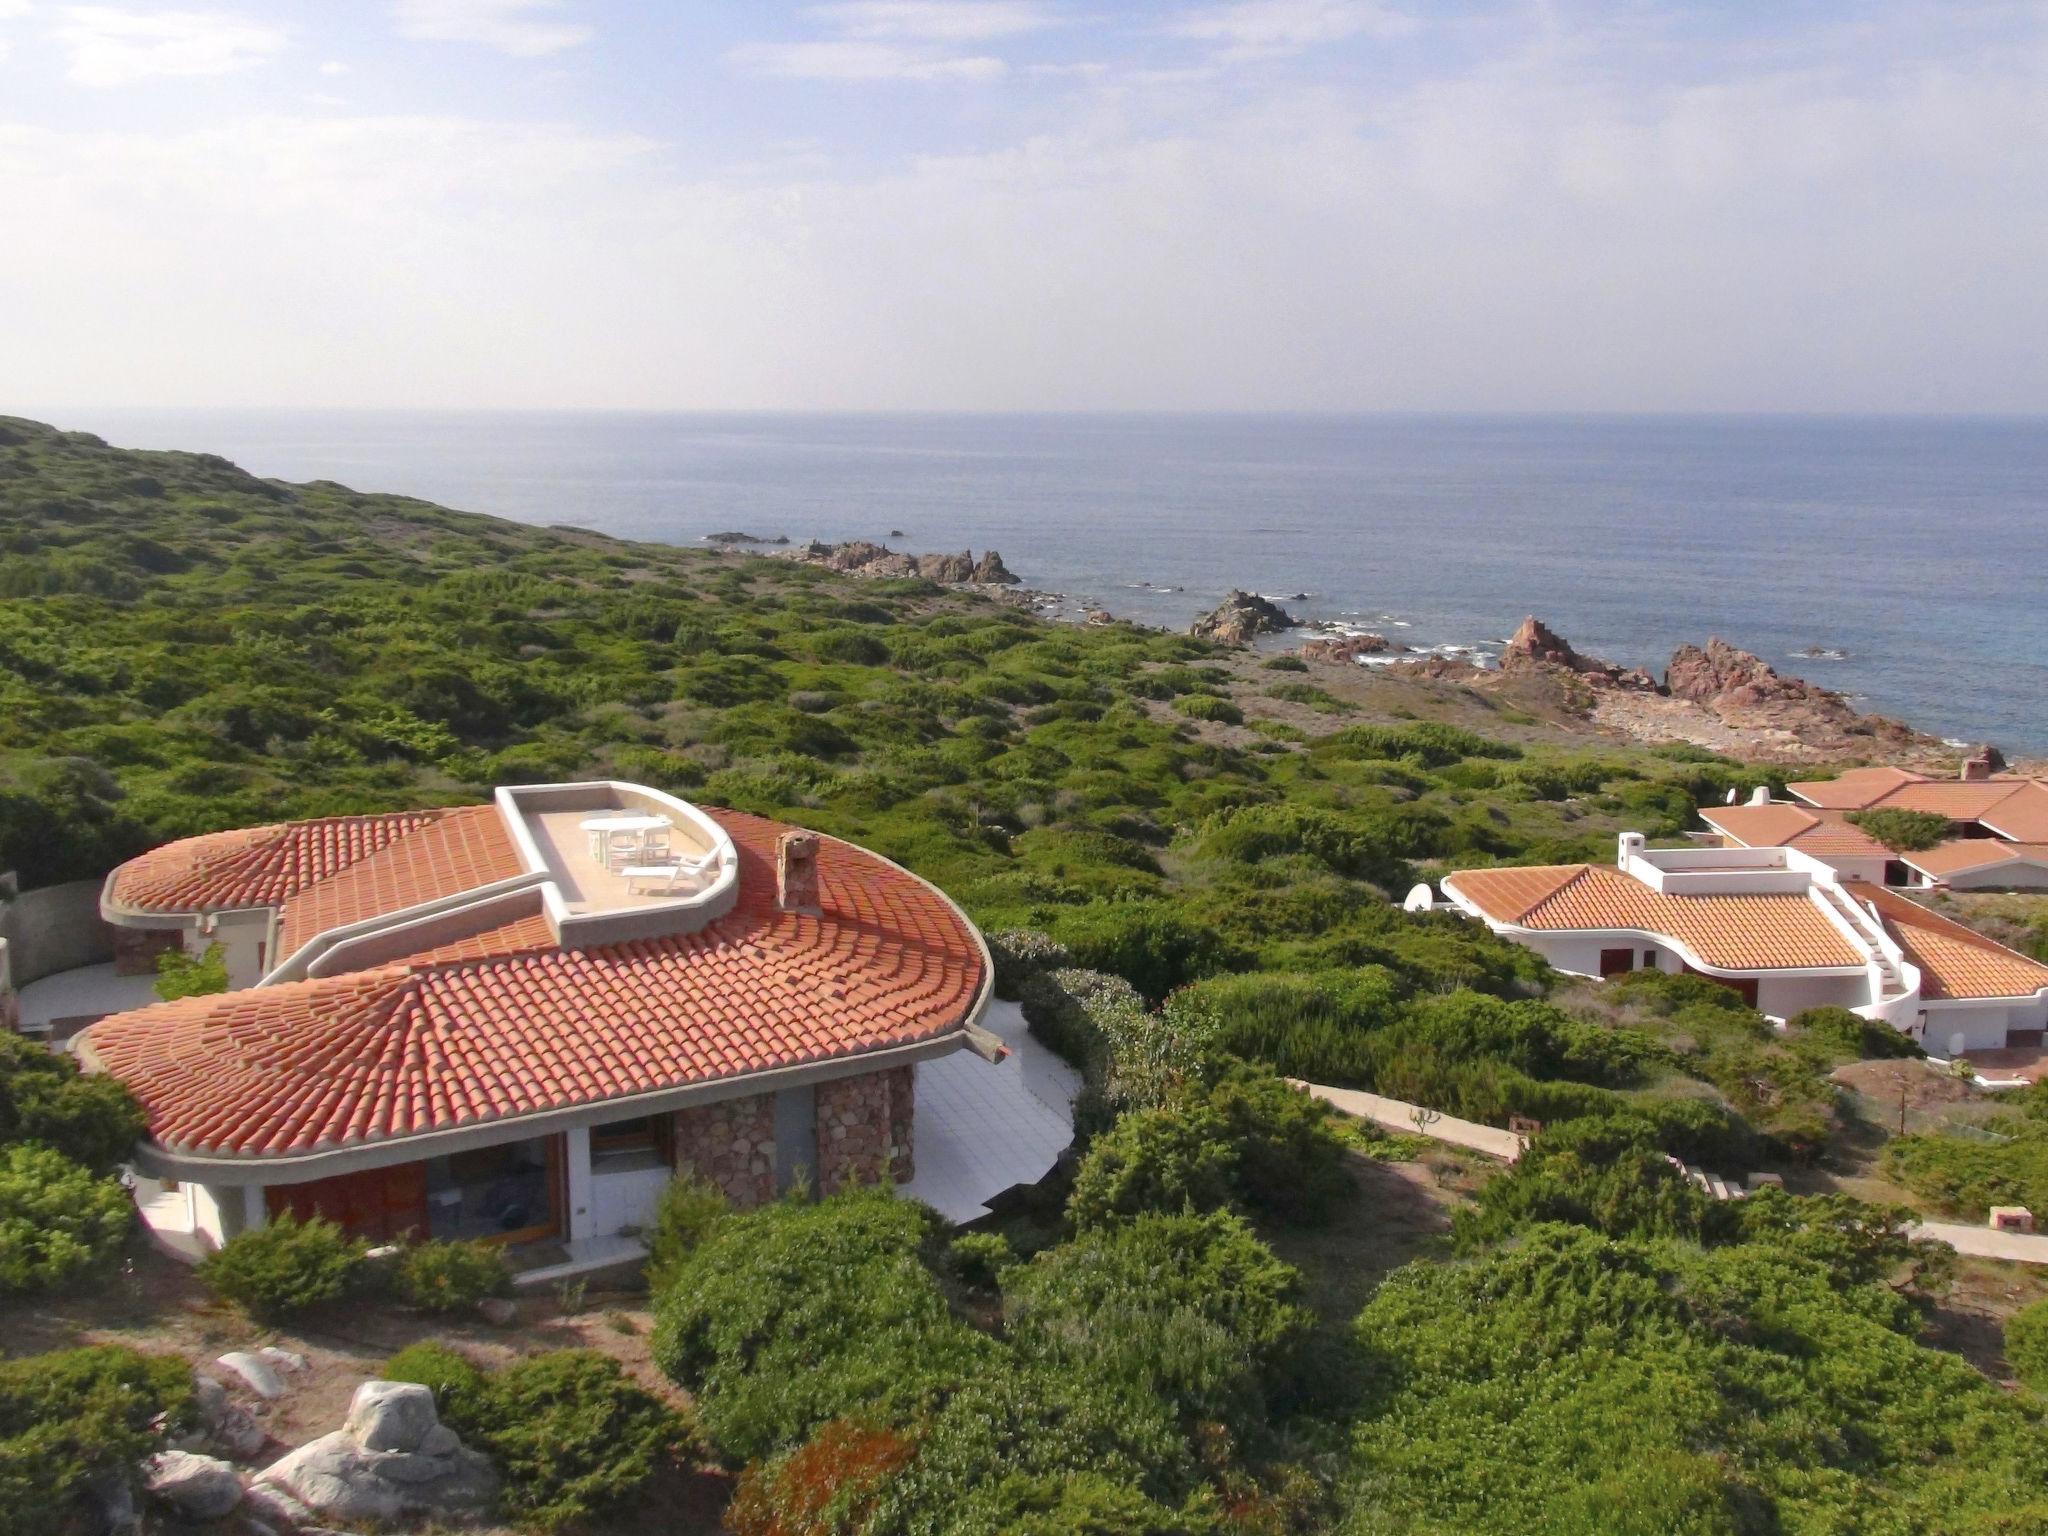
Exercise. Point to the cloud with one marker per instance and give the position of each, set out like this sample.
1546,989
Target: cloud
333,67
525,29
853,60
1263,28
935,21
110,47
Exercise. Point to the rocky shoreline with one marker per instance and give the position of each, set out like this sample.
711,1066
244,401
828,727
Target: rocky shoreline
1716,696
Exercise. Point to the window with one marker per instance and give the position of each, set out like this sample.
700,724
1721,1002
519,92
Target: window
640,1143
1617,962
1649,959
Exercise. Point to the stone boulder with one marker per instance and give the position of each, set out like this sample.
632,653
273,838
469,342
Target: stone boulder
258,1374
949,568
197,1487
391,1459
1720,674
1347,648
990,571
1241,616
1536,647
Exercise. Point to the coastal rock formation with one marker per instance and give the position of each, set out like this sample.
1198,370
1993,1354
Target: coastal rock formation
1719,674
732,536
1347,648
1743,691
391,1458
1241,616
864,557
1535,646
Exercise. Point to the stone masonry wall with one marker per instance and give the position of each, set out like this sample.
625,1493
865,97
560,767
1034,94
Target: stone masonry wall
864,1128
731,1143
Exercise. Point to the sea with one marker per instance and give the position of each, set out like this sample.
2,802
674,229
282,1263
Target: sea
1903,561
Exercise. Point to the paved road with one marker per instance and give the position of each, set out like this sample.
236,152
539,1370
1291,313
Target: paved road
1984,1243
1396,1115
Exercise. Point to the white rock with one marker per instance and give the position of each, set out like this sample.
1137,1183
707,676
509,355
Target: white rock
200,1487
210,1398
335,1477
390,1415
256,1372
283,1359
499,1311
238,1433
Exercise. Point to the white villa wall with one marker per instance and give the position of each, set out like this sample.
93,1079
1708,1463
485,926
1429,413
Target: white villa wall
1783,996
214,1213
1853,866
625,1199
1965,1028
2003,877
242,947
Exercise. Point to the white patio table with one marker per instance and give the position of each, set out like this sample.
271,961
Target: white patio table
602,827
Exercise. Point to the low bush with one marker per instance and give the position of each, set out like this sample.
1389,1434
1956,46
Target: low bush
826,1486
1155,1160
72,1417
44,1097
2005,1164
980,1258
1831,1036
573,1437
1290,1161
2026,1345
1154,945
451,1277
1207,706
1602,1171
1191,1310
181,975
1284,663
794,1314
1902,831
59,1221
1018,953
285,1267
689,1207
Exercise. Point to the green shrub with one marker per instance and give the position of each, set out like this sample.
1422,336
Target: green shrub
1153,945
1018,953
1902,831
1284,663
1290,1161
181,975
451,1277
75,1416
689,1207
2026,1345
1310,1025
574,1439
285,1266
91,1119
1835,1035
1158,1160
1207,706
1968,1175
1191,1310
1601,1171
794,1314
59,1221
980,1258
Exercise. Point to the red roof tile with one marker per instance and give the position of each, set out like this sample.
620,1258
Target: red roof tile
1791,826
457,1036
1762,932
458,851
1954,961
256,866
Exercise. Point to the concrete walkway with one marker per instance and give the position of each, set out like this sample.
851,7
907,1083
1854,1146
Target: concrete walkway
1396,1115
1986,1243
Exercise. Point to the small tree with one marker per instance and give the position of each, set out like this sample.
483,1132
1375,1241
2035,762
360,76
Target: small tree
91,1119
451,1277
59,1221
2026,1345
285,1267
688,1209
1902,831
181,975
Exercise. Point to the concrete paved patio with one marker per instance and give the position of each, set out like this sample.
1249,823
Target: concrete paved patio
983,1128
65,1003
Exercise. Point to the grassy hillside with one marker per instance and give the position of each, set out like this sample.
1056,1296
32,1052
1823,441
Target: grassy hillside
1597,1347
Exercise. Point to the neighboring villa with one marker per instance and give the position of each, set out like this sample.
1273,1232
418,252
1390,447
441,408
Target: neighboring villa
1998,827
1777,925
515,1020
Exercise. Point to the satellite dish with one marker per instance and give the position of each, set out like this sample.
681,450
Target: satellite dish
1731,798
1420,899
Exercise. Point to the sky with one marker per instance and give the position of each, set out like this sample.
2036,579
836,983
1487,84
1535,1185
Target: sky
1076,205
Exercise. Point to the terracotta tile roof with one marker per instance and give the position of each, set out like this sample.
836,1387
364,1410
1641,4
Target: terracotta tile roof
2021,815
1953,798
1955,962
256,866
458,851
1767,932
526,931
452,1038
1962,855
1792,826
1855,790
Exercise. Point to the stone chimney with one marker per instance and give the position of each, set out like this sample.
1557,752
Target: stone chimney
1982,764
796,873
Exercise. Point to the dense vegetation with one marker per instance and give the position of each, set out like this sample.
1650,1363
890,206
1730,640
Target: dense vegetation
63,1213
1188,894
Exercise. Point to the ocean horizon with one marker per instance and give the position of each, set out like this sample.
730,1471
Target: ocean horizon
1882,556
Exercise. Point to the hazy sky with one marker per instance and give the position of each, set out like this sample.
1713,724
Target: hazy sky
992,204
